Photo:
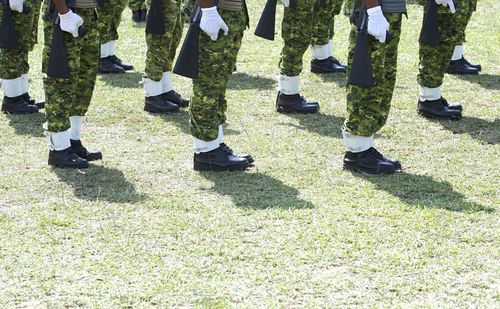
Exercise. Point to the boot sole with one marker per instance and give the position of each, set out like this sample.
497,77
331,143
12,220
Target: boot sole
319,71
70,167
371,171
214,168
158,111
18,113
282,110
462,73
431,116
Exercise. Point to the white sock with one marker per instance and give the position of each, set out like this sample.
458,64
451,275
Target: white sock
330,48
25,83
112,48
430,94
13,87
59,140
288,84
152,88
220,137
203,146
105,50
75,130
166,81
458,53
356,143
320,52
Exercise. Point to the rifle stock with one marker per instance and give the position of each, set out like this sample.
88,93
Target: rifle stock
267,22
155,23
429,34
8,36
187,61
58,65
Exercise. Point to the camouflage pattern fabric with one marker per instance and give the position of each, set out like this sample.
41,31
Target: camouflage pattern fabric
368,108
465,19
434,60
110,15
136,5
324,22
162,48
14,62
72,96
216,62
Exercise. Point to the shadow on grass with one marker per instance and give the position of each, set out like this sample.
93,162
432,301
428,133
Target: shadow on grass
337,78
99,183
181,120
255,190
322,124
241,81
423,191
477,128
126,80
487,81
30,124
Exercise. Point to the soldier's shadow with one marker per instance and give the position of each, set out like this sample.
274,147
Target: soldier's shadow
337,78
476,128
181,120
423,191
256,190
99,183
486,81
30,124
319,123
242,81
126,80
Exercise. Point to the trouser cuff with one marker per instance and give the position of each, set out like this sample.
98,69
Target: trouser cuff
13,87
152,88
356,143
320,52
204,146
59,140
458,53
166,81
112,48
430,94
75,130
288,85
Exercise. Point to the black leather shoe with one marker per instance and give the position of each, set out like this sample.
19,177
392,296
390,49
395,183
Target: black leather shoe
82,152
437,109
218,160
475,66
119,62
18,105
30,101
108,67
66,159
176,98
295,104
144,14
158,104
230,151
328,65
369,161
394,162
456,107
137,16
460,67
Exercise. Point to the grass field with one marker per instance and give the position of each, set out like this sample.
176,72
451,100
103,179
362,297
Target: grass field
142,229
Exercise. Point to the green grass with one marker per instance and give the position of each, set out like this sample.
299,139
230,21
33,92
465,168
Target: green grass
142,229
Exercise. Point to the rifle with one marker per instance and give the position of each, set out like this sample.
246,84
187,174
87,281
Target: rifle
361,73
187,61
155,21
8,36
429,35
58,65
267,22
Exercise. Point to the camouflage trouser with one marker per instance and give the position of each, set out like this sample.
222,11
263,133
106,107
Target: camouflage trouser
324,22
14,62
368,108
136,5
465,21
216,63
110,15
72,96
162,48
434,60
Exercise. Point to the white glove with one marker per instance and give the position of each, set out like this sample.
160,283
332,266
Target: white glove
286,3
211,23
377,24
447,3
16,5
70,22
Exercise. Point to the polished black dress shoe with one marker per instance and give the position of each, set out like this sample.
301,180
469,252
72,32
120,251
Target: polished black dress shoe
107,66
230,151
295,104
66,159
82,152
370,161
437,109
328,65
460,67
137,16
219,160
475,66
176,98
18,105
456,107
158,104
144,14
31,101
114,59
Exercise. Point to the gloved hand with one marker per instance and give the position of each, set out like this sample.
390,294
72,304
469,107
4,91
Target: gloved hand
447,3
70,22
211,23
377,24
16,5
286,3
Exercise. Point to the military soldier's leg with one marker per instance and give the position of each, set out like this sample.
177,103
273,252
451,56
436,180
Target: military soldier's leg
208,104
434,61
138,10
323,60
458,63
296,31
368,108
14,66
